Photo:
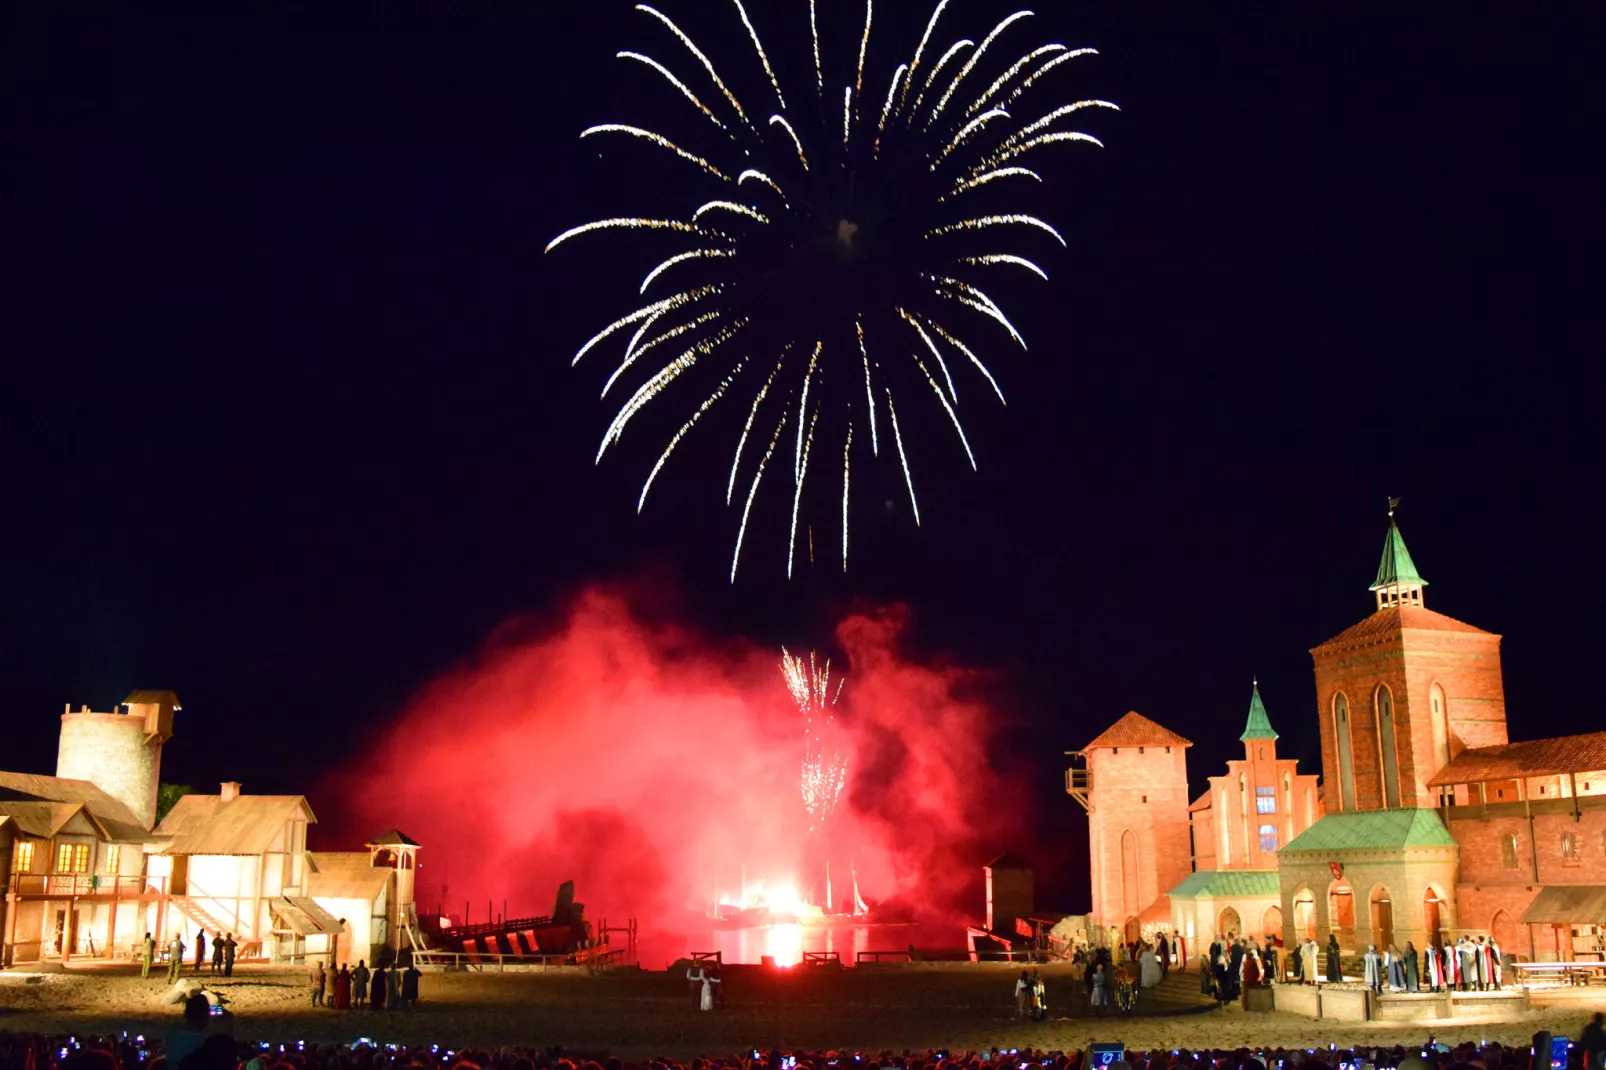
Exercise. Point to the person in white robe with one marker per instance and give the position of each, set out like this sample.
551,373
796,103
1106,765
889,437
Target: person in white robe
1373,963
1307,961
1148,968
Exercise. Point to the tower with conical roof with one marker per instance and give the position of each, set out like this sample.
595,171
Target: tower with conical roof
1135,790
1403,691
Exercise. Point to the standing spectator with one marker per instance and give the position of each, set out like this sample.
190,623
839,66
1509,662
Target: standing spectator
318,980
359,983
175,958
1592,1042
409,987
343,989
376,989
200,951
147,955
230,944
217,955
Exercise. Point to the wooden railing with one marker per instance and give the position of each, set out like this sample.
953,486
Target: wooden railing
877,956
495,960
822,958
80,884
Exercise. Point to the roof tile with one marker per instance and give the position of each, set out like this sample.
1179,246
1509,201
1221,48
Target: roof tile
1136,730
1556,756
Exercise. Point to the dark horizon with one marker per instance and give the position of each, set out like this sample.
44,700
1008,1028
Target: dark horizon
293,428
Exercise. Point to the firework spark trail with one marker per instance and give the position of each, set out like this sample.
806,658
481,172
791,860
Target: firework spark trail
679,258
975,58
996,221
869,396
824,771
656,139
668,374
920,50
971,296
864,46
963,348
678,84
759,48
780,120
741,442
886,109
797,493
932,346
953,50
1014,70
633,354
751,494
1045,68
687,426
949,409
631,224
1006,258
992,176
936,113
847,447
701,58
654,309
903,457
760,176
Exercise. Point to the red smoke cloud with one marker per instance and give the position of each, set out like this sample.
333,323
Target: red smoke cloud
649,764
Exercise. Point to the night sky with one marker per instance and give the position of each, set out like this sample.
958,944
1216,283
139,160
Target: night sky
290,425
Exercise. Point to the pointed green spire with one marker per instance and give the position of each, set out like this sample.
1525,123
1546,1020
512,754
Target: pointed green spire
1396,568
1259,725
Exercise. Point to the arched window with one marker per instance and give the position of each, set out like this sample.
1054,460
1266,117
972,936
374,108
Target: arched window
1385,736
1569,848
1346,763
1129,872
1226,837
1268,837
1439,713
1508,850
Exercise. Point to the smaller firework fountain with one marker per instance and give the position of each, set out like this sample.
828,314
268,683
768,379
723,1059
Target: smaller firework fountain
825,769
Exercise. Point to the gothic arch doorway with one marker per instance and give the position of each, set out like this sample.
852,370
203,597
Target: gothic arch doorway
1271,922
1228,924
1304,914
1129,873
1341,913
1382,917
1432,915
1503,928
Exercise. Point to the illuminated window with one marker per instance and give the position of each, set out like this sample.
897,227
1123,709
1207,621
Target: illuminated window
114,855
1508,850
1569,848
1268,837
22,858
1265,800
72,858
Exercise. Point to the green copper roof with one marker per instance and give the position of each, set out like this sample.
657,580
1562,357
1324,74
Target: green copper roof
1372,829
1228,884
1259,726
1396,566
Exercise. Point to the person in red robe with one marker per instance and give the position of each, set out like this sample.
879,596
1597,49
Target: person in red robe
343,989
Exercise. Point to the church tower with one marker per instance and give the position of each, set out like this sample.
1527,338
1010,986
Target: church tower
1402,692
1135,790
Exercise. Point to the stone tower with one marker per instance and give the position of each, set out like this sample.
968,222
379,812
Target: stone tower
1402,692
1135,790
120,752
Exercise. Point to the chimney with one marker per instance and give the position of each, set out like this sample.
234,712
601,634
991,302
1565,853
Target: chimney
230,790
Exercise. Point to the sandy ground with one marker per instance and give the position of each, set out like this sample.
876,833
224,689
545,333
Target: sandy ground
634,1014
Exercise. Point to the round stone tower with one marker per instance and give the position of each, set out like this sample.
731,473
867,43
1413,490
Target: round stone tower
120,752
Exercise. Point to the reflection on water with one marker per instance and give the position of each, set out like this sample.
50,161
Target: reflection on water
787,943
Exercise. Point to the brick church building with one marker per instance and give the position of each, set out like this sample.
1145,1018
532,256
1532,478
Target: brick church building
1427,821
